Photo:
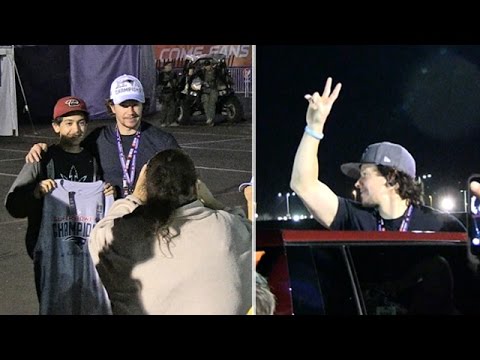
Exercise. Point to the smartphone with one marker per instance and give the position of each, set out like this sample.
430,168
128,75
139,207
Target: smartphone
473,217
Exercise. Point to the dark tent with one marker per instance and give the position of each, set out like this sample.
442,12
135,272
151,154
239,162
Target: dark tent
49,72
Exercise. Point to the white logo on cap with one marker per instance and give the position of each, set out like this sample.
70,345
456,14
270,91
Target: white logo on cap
386,159
72,102
127,86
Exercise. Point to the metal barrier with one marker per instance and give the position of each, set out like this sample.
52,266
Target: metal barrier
242,80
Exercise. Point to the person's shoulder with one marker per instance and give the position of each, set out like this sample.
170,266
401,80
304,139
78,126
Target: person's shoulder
146,127
99,135
92,135
431,211
234,213
52,152
152,130
110,128
449,221
138,216
354,205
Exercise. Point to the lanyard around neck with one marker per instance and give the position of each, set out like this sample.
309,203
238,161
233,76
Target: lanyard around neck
405,222
129,162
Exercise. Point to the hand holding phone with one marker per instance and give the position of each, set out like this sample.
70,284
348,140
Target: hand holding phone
473,214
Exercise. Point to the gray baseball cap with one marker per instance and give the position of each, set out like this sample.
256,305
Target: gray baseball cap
386,154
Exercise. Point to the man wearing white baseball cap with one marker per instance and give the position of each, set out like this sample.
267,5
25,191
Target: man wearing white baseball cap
391,198
123,147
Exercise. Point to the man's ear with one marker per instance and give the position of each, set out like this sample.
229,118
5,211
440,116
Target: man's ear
392,183
56,127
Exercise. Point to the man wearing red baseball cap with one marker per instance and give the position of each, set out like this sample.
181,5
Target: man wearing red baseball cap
63,199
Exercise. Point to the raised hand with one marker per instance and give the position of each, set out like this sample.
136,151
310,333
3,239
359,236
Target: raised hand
475,188
319,106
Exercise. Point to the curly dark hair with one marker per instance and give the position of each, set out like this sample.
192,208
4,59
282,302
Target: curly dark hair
408,188
170,183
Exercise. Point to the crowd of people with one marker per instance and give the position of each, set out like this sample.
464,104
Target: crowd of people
195,88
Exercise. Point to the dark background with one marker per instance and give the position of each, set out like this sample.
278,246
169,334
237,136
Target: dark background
424,97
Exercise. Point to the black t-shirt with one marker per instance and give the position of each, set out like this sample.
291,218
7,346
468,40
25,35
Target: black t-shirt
353,216
72,166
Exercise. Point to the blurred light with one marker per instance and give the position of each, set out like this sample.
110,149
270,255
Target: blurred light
293,194
296,217
476,241
280,218
279,195
447,204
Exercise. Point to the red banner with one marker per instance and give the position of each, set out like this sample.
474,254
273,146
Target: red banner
241,55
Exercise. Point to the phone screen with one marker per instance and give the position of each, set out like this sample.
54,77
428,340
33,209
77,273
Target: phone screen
473,217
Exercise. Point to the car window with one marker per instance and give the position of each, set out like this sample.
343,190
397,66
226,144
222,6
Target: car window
320,281
372,273
415,279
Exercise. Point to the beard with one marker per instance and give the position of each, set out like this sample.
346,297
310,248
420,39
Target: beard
367,202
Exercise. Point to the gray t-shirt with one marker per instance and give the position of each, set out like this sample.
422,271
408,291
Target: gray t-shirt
68,281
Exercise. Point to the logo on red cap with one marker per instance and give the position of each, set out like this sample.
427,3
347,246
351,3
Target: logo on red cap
68,104
72,102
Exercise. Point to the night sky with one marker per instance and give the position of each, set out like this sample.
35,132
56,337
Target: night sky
426,98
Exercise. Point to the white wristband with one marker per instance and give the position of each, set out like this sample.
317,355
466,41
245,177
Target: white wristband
318,136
